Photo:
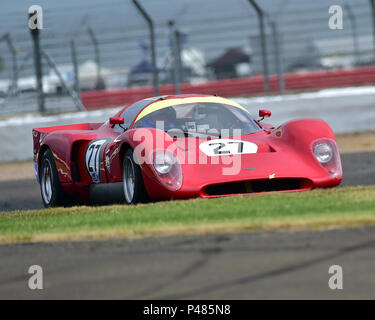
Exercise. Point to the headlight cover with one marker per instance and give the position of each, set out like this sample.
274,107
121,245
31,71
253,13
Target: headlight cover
323,152
168,169
326,153
163,163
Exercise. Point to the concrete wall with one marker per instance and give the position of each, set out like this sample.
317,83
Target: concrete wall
16,142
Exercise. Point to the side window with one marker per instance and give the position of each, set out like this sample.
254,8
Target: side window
132,111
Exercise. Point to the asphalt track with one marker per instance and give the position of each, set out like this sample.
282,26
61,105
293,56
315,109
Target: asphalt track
358,168
272,265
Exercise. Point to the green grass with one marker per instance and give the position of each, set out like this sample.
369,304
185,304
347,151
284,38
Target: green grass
324,208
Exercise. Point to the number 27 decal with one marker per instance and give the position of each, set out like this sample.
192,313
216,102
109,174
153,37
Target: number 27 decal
223,147
92,159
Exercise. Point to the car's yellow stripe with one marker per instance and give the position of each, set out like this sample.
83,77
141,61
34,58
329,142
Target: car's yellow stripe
174,102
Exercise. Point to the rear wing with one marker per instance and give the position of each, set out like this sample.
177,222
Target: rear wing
40,133
79,126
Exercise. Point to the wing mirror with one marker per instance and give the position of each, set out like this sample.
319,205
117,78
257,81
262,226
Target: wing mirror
264,114
116,120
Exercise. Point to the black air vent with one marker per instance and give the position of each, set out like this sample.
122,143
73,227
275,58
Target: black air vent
256,186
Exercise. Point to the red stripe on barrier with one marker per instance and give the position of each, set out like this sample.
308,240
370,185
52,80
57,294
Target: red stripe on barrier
236,87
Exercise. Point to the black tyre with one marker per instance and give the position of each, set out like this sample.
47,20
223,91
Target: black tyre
134,189
52,193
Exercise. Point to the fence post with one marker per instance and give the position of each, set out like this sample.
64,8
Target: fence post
263,44
75,69
372,3
278,60
13,52
155,75
354,33
176,56
179,59
97,58
24,62
38,67
73,94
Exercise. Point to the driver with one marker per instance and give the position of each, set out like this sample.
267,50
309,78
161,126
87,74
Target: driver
207,116
200,112
167,118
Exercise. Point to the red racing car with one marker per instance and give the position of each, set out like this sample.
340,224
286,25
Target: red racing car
183,146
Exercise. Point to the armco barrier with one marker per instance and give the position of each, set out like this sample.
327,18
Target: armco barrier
236,87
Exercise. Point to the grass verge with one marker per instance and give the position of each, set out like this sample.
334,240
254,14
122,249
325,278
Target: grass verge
324,208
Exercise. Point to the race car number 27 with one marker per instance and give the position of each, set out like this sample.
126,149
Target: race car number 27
92,159
221,147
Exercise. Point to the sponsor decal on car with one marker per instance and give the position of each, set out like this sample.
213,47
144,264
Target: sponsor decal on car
108,163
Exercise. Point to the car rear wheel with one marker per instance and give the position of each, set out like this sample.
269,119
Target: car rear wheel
52,193
134,189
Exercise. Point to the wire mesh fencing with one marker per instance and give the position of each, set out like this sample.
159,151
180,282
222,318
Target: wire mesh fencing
96,45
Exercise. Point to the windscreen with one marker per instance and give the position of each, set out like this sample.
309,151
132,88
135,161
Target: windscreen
200,119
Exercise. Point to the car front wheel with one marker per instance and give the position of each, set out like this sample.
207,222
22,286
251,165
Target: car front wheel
134,190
